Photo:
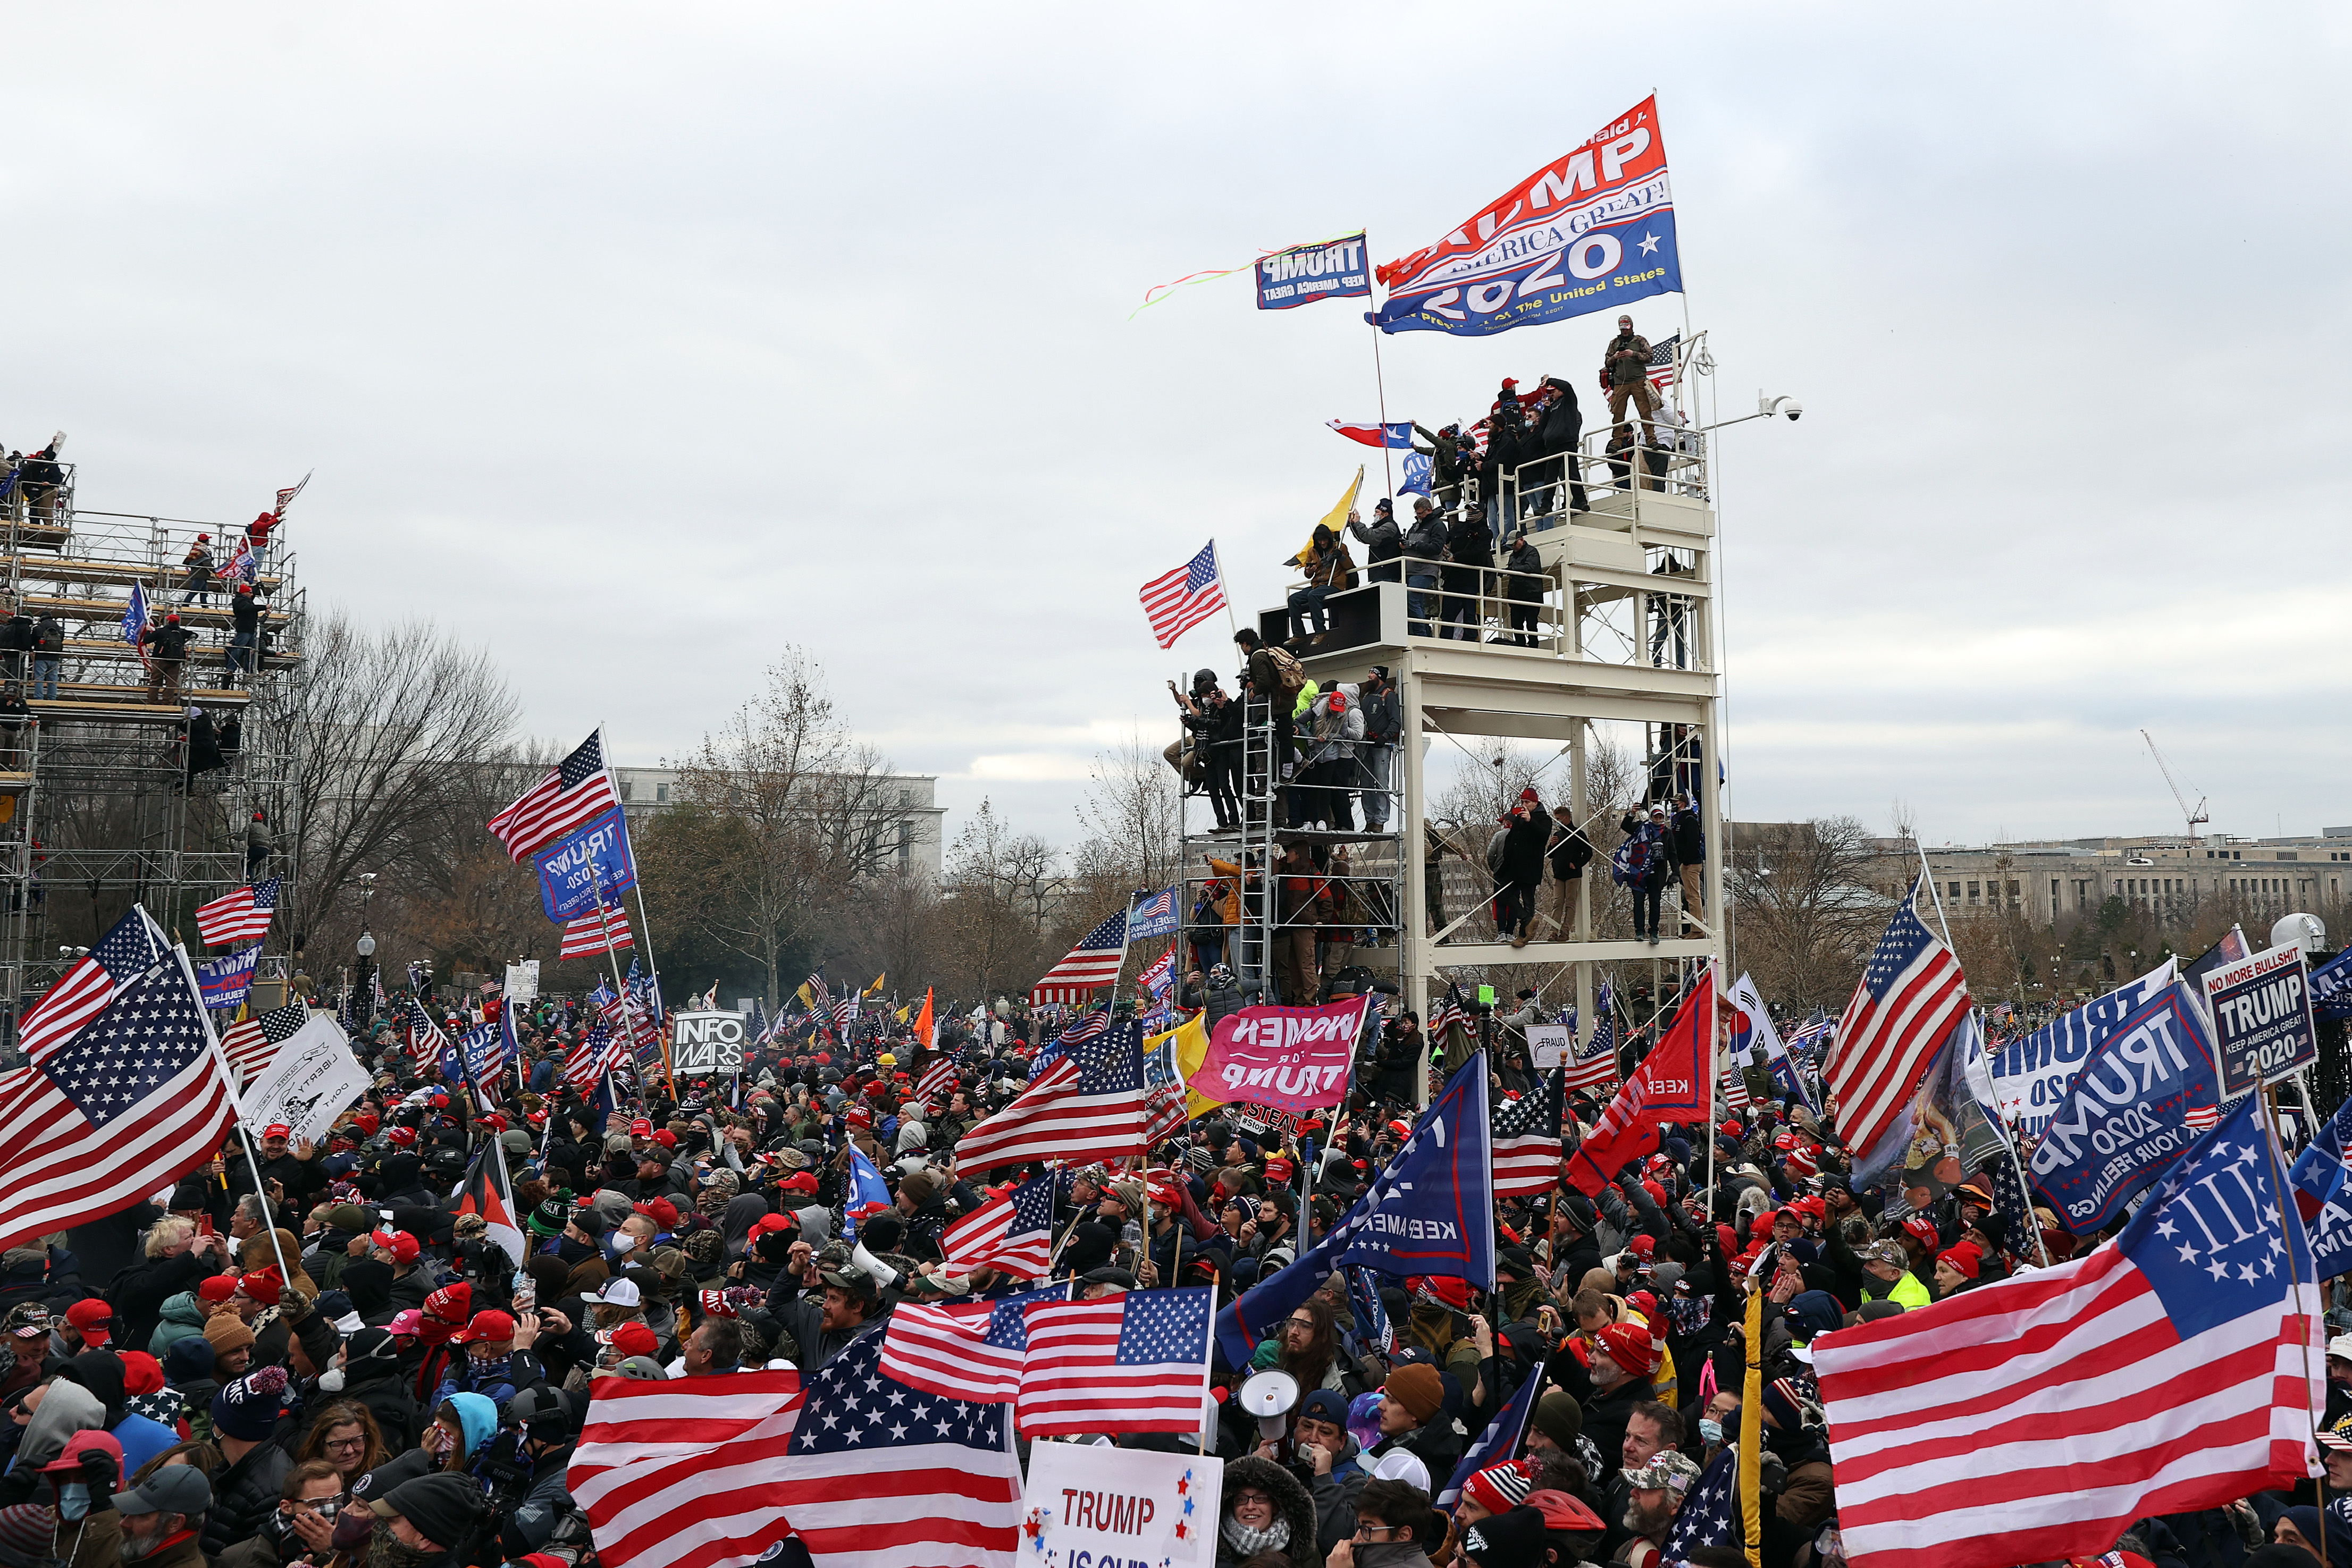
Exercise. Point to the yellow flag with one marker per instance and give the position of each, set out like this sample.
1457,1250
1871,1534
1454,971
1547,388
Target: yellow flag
803,996
1336,521
1192,1039
876,987
1751,1435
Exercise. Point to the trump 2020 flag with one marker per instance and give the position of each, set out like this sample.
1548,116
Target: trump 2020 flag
2138,1102
1592,230
1429,1211
2323,1193
2173,1369
866,1197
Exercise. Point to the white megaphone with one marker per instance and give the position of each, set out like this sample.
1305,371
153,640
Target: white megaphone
1269,1395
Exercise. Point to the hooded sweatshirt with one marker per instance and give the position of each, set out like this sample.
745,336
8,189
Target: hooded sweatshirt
183,1315
65,1408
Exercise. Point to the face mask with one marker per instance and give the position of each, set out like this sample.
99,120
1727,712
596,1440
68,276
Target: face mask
573,1252
73,1499
331,1380
623,1242
1710,1431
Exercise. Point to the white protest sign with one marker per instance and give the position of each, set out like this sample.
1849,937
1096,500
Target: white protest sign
1547,1045
313,1079
523,981
1091,1507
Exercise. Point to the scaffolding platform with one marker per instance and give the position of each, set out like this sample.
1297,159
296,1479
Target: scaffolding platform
1617,625
110,799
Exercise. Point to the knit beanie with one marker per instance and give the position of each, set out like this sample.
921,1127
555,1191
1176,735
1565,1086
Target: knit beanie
225,1334
442,1507
190,1358
248,1408
1418,1388
1559,1417
1499,1488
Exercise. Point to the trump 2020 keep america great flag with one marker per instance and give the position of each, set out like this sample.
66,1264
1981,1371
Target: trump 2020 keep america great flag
2036,1417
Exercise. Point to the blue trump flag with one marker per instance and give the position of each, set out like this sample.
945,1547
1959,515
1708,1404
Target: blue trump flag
1499,1442
2143,1096
594,862
2323,1194
1429,1211
867,1195
226,981
2331,986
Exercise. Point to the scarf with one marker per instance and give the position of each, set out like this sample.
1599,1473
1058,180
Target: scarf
1248,1542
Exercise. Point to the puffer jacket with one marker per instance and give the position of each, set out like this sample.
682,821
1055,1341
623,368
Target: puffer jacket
1292,1506
244,1495
183,1315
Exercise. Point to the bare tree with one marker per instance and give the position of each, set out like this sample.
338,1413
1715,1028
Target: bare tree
992,918
782,814
1805,908
1132,815
397,734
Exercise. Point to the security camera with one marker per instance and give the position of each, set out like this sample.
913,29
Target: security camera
1795,411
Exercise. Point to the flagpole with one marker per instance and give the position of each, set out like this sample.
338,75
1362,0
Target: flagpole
1387,474
1223,591
637,886
236,1093
2279,1179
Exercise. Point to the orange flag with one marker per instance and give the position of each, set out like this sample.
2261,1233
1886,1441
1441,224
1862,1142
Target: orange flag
923,1018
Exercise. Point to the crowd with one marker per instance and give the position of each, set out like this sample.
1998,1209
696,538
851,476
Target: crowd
316,1358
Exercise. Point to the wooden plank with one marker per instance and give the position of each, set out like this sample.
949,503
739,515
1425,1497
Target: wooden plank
112,610
62,569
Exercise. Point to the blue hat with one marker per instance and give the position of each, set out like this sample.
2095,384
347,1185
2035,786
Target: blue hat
1325,1405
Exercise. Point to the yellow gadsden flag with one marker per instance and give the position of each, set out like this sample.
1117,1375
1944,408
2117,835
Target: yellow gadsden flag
1337,519
1192,1038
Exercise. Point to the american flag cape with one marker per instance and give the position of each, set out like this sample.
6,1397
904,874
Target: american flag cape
1594,1064
135,616
251,1044
121,1107
677,1474
1527,1141
1671,1085
1095,961
1176,602
1086,1105
575,790
239,916
1138,1362
2175,1368
963,1350
1910,996
1013,1233
95,979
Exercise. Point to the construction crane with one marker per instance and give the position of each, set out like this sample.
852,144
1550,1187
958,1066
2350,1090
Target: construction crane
2195,817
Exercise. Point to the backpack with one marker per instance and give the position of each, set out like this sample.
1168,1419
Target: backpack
1288,673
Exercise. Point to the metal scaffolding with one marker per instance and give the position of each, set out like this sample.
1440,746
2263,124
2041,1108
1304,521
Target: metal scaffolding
124,790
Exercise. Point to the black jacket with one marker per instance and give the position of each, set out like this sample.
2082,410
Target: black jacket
244,613
379,1386
1526,583
171,645
1563,421
1470,542
1686,839
1571,852
1426,542
245,1494
16,633
140,1290
1383,716
1523,847
48,635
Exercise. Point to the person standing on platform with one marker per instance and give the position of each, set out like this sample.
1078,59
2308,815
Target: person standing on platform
1424,547
1472,550
1384,542
200,565
1644,862
1626,375
245,631
1686,842
167,648
49,652
1525,833
1383,718
1524,590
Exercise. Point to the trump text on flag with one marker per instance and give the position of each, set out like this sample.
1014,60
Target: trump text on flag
1334,270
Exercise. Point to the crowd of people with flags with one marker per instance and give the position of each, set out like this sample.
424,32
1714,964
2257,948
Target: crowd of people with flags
519,1294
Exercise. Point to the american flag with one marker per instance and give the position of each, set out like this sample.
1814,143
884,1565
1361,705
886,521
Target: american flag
1704,1517
1086,1105
1137,1362
938,1082
1178,600
575,790
1015,1233
425,1040
1527,1141
821,999
241,567
963,1350
669,1473
1164,1106
1984,1429
1447,1014
1084,1028
1154,914
601,930
1910,996
634,1033
591,1057
845,1014
1095,961
882,1475
286,498
1816,1028
239,916
251,1046
126,1105
1735,1089
1662,360
96,978
1593,1062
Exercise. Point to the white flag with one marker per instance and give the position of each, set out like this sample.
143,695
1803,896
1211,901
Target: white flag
313,1079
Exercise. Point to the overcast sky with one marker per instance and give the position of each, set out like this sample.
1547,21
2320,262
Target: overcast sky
638,343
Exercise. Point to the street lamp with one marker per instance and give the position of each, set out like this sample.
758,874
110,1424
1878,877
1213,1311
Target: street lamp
364,996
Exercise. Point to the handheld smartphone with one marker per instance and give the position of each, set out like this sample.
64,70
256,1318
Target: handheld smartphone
526,1294
203,1222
